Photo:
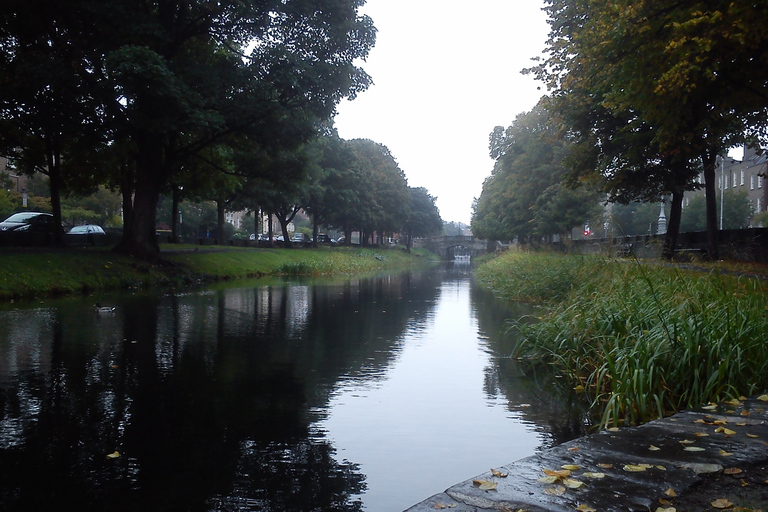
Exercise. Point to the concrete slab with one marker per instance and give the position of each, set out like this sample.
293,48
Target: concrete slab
627,469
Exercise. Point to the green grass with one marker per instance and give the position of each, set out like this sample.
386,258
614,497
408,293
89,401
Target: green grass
38,273
643,340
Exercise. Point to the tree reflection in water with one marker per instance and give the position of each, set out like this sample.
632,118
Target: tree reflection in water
208,397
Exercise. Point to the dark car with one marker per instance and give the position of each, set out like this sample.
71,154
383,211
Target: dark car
28,228
322,238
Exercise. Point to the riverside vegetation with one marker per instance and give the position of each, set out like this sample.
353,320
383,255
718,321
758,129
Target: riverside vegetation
641,340
38,273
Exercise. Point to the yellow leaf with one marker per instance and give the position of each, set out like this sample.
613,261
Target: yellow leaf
709,407
753,436
646,466
693,449
585,508
661,468
721,503
733,402
570,467
555,491
579,389
654,448
559,473
572,483
113,455
548,479
763,398
725,453
699,421
670,492
593,475
726,431
605,466
687,441
668,509
485,485
499,474
744,483
574,449
731,471
634,468
664,502
745,413
701,434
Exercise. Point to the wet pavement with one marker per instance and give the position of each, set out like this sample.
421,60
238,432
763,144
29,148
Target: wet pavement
626,469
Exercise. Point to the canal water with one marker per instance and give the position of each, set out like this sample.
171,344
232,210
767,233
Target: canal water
361,394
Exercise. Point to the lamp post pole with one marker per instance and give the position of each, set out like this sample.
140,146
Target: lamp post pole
722,189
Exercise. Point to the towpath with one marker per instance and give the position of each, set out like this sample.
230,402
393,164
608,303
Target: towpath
684,462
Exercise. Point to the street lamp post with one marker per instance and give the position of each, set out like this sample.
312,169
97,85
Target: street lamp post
722,189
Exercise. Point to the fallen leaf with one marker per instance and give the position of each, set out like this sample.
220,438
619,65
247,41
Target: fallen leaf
661,468
634,468
726,431
555,491
701,434
733,402
572,483
709,407
646,466
725,453
579,389
745,413
668,509
753,436
741,424
744,483
721,503
693,449
699,421
593,475
570,467
485,485
720,422
499,474
574,449
613,429
113,455
732,471
605,466
559,473
664,502
670,492
548,479
585,508
763,398
654,448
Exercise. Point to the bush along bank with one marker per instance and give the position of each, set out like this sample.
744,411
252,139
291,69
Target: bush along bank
642,341
41,273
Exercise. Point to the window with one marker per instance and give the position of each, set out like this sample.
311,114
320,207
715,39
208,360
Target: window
759,205
733,181
751,182
759,181
741,180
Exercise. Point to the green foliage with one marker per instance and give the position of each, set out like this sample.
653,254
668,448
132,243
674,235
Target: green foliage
524,196
634,218
737,212
644,341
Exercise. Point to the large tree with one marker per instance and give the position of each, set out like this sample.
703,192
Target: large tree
677,66
173,77
423,216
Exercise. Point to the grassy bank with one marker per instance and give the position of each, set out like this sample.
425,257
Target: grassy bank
642,340
37,273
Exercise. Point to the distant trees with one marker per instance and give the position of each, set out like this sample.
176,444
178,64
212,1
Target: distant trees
524,196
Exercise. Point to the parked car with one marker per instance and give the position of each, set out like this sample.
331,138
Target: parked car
300,238
90,234
28,228
323,238
86,229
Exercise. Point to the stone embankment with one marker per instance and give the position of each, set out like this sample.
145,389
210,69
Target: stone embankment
645,468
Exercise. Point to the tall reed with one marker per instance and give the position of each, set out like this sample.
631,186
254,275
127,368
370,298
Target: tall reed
644,340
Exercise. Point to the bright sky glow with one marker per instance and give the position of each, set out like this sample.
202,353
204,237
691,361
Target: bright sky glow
445,74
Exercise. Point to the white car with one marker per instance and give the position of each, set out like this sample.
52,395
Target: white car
86,229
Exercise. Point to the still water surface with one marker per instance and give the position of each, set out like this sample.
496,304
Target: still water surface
366,394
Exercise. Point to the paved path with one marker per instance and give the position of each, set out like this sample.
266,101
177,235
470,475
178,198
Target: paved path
627,469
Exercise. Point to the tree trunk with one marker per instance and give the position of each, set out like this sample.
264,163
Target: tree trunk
673,225
708,161
55,183
139,236
315,230
126,190
176,199
220,220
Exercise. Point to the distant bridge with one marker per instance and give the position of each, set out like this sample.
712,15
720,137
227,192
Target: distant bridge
449,246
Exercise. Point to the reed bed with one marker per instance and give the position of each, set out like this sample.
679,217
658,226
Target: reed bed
642,340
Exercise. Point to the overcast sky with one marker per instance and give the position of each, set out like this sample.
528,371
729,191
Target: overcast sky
445,73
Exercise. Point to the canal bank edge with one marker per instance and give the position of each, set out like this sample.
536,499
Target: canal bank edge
691,459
